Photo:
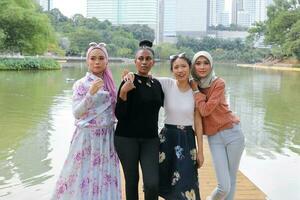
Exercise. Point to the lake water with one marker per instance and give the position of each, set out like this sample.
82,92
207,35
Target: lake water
36,126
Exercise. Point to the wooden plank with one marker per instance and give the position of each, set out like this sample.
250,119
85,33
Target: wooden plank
246,190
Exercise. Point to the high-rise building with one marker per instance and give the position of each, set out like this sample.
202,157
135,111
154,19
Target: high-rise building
243,18
215,8
250,11
183,17
46,4
126,12
237,5
250,7
170,7
224,20
104,10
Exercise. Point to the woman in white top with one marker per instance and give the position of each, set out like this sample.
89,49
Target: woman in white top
179,157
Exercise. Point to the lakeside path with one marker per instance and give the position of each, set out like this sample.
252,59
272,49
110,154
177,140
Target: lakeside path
246,190
270,67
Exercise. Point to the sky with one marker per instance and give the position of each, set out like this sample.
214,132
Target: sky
71,7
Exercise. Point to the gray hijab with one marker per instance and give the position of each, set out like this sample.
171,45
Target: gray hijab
206,81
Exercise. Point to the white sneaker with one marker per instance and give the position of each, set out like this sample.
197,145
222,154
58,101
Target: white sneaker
208,198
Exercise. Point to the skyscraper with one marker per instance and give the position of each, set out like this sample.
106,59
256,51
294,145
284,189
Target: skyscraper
46,4
104,10
247,12
183,17
216,8
125,12
237,5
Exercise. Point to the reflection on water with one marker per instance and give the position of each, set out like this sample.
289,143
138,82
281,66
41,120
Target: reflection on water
36,125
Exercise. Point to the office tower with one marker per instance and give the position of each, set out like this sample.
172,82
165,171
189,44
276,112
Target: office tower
215,8
243,18
125,12
250,7
183,17
224,19
103,10
46,4
237,5
257,9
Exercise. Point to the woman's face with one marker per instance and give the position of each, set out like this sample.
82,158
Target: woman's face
181,69
97,62
144,61
202,67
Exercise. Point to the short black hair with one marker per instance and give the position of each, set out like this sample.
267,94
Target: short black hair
145,44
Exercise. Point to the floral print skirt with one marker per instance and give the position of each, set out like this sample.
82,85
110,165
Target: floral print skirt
178,176
91,170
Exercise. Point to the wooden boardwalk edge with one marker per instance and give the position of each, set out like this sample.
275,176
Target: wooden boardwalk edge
246,190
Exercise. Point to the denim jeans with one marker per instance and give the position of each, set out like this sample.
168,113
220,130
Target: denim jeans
226,149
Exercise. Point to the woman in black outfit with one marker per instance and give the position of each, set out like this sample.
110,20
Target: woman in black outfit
136,136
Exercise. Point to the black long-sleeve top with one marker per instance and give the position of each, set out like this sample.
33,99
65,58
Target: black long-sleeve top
138,115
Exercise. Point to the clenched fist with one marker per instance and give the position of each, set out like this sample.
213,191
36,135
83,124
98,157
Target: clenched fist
96,85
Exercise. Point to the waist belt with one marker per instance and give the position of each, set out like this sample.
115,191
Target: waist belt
180,127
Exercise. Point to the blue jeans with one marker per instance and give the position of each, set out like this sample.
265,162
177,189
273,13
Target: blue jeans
226,149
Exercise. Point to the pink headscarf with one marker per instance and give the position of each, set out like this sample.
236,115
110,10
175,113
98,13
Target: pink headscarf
107,75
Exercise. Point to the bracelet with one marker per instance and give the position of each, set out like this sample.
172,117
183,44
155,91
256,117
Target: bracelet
196,91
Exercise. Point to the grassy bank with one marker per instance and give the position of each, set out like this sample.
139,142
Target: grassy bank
28,63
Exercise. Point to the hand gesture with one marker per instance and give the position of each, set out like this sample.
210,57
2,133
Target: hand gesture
128,85
194,85
129,76
96,85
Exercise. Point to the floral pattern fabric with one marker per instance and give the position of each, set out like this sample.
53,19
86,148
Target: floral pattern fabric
177,164
91,170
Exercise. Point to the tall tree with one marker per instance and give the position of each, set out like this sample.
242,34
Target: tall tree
281,29
26,30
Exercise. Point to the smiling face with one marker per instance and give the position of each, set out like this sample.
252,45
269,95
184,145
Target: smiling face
181,69
97,62
144,61
202,67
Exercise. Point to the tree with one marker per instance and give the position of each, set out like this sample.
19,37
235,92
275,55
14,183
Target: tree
2,37
26,30
293,42
80,39
256,32
140,32
164,50
281,29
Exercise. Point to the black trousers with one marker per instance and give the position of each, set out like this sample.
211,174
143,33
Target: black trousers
131,152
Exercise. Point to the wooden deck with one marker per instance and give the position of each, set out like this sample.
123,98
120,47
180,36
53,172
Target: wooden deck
246,190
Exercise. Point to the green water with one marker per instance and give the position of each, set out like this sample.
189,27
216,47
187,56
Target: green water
36,126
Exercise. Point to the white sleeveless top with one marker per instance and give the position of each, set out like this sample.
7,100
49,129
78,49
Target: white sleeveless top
178,105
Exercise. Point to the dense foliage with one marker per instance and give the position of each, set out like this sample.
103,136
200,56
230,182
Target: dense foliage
24,28
281,30
225,50
28,63
75,33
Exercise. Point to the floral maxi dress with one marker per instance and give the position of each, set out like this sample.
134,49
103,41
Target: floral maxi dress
91,170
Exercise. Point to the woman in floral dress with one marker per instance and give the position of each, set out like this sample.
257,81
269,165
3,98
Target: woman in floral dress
91,170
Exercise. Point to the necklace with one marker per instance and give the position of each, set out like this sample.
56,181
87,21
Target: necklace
149,81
